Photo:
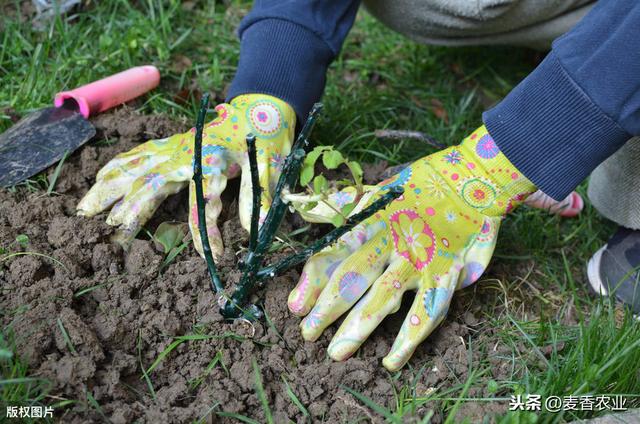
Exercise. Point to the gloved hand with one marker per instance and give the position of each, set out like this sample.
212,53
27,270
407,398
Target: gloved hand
138,181
569,207
437,237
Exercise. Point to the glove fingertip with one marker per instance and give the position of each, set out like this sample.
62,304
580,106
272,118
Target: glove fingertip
297,307
123,237
342,349
85,212
114,218
88,206
215,241
309,331
300,298
393,364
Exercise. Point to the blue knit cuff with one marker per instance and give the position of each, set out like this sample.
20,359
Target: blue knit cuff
284,60
551,130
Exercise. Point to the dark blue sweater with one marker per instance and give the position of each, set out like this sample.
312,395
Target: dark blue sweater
576,109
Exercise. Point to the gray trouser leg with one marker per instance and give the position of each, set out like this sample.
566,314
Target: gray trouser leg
614,186
532,23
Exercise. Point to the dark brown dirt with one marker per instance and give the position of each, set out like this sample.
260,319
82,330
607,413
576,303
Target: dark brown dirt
134,307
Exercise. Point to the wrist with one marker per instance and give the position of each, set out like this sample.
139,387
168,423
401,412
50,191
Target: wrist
481,175
283,59
267,117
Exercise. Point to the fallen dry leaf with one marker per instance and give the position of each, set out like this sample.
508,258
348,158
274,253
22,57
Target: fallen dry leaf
437,108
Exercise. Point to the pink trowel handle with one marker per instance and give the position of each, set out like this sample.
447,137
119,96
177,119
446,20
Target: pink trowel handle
111,91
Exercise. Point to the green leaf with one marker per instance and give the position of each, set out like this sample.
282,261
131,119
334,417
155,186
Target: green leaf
294,398
313,155
492,386
320,184
337,220
66,337
356,170
306,175
193,383
169,235
189,337
238,417
56,174
308,206
344,183
332,159
104,41
347,209
22,239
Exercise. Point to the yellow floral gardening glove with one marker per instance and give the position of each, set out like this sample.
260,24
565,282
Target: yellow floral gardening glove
437,237
138,181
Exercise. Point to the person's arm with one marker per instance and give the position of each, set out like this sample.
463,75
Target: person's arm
286,47
579,106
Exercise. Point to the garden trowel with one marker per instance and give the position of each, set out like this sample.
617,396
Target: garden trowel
45,136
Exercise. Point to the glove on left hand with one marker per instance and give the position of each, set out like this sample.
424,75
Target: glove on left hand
437,237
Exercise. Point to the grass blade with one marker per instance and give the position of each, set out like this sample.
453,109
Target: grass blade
145,374
451,416
56,174
21,380
374,406
66,337
536,350
189,337
215,361
94,403
34,254
174,344
238,417
261,393
295,399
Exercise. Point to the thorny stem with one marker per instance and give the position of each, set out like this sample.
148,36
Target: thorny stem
278,206
290,172
291,261
255,257
302,142
216,284
266,233
261,239
256,191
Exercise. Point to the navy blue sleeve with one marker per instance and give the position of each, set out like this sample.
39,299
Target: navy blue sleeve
286,47
579,106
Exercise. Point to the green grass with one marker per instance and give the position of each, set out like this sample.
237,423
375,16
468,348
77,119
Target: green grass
534,292
145,374
18,387
599,357
65,336
257,375
217,360
294,399
182,339
113,36
56,174
52,259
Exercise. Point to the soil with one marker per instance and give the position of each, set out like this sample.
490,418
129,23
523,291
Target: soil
133,311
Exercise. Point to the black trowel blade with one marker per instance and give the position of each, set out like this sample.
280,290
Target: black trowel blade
40,140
